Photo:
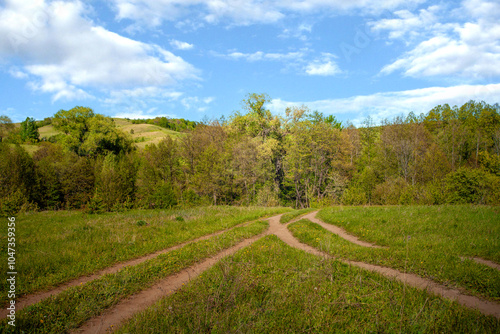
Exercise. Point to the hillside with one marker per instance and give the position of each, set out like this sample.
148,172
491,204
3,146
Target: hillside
142,134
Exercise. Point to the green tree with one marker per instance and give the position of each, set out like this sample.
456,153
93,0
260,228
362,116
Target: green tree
17,178
5,126
90,134
115,182
29,131
48,160
160,179
270,130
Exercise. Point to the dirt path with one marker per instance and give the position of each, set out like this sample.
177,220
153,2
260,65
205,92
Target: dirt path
113,317
484,306
486,262
338,231
31,299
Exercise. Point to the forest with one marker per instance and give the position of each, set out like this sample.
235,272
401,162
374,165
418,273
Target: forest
299,158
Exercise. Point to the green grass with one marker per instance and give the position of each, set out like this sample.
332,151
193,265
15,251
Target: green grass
257,291
74,306
145,134
57,246
428,241
294,214
48,131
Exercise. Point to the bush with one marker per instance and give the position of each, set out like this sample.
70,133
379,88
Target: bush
390,192
354,196
191,198
472,186
95,205
164,197
12,204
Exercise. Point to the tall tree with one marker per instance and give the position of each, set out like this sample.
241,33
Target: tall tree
29,131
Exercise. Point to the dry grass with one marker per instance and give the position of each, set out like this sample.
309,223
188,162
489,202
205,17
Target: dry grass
48,131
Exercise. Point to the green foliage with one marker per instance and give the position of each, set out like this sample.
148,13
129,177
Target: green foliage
141,223
18,181
354,196
116,180
29,131
95,205
472,186
164,197
6,126
297,158
90,134
490,162
11,204
390,191
175,124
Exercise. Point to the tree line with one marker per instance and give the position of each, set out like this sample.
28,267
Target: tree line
299,158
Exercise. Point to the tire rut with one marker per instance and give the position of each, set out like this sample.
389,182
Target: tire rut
113,317
484,306
339,231
34,298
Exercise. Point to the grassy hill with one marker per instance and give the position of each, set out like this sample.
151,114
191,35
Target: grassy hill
141,134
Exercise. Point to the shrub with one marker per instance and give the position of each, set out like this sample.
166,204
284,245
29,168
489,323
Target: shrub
472,186
389,192
354,196
164,197
95,205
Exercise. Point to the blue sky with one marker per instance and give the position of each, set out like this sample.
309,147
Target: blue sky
198,59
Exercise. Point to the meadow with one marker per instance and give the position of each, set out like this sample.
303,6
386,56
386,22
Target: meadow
56,246
266,285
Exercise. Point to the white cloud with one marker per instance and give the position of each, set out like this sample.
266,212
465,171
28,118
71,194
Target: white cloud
323,67
242,12
17,73
181,45
467,50
196,103
141,114
405,24
270,56
387,105
66,54
149,94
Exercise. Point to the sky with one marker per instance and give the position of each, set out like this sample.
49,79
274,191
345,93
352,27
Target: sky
198,59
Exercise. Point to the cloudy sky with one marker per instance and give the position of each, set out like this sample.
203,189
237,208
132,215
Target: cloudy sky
198,59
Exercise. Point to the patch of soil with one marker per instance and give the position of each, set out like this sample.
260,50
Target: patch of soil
488,263
338,231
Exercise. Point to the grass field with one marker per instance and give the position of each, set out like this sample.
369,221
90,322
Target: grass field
56,246
257,291
267,287
145,134
72,307
432,242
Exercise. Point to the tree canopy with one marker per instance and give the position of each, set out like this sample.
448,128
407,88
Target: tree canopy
90,134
